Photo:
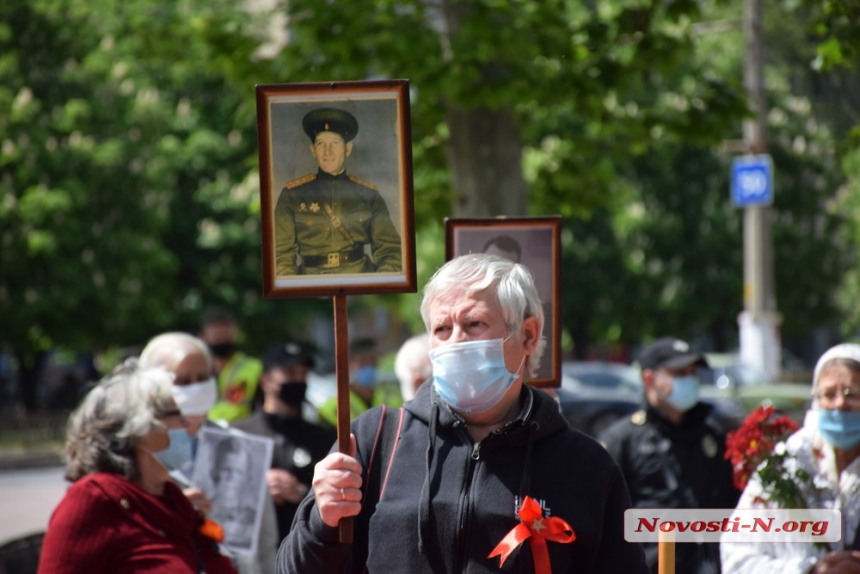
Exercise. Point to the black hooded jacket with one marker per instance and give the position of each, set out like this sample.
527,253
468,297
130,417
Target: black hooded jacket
667,465
449,501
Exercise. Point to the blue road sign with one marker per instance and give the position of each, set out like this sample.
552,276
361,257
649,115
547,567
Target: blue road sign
752,180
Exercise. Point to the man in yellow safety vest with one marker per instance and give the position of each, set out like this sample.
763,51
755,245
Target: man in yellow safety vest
238,374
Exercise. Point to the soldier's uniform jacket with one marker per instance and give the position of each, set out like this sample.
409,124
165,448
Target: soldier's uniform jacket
675,466
327,220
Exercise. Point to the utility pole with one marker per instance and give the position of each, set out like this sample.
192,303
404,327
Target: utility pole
759,322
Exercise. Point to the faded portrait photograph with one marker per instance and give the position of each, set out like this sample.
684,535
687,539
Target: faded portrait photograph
231,470
336,187
531,247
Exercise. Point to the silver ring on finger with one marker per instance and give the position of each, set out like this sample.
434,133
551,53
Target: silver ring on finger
342,494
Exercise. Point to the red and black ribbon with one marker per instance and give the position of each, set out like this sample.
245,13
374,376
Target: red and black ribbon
537,530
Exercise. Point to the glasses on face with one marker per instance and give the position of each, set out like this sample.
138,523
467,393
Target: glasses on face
827,397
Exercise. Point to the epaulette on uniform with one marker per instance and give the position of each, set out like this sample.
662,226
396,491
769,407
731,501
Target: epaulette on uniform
362,182
300,181
639,417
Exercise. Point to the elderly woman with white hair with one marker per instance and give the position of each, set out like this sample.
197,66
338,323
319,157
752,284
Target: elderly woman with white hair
195,392
122,513
827,448
473,460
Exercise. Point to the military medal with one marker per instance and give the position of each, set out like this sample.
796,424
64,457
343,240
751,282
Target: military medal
315,207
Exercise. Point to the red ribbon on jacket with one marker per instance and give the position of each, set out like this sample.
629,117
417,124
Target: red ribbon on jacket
212,530
537,530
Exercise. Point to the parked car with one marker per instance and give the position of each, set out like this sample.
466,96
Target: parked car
728,377
590,409
610,388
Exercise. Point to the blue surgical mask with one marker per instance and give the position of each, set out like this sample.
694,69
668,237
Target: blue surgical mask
685,393
366,376
471,376
839,428
179,453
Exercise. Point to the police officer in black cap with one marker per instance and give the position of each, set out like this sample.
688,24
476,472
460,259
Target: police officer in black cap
671,452
324,220
299,444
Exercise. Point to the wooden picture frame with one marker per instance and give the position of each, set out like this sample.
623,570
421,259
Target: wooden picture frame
536,243
327,232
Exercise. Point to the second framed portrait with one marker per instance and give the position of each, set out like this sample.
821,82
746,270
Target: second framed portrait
534,242
336,188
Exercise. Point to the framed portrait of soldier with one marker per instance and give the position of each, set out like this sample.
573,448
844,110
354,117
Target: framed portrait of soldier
336,198
231,469
533,242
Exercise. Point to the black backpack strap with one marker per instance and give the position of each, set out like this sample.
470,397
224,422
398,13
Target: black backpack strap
381,460
382,455
390,437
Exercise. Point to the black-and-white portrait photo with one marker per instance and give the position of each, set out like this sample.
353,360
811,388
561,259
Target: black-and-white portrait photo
533,242
231,469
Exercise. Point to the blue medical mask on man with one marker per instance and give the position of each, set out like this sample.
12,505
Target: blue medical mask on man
366,376
685,392
471,376
839,428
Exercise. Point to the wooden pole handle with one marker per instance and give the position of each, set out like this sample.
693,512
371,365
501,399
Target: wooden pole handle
341,354
666,553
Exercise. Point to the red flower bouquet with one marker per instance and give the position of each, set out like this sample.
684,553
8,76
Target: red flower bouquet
753,449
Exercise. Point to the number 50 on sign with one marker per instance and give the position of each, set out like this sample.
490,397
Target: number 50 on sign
752,180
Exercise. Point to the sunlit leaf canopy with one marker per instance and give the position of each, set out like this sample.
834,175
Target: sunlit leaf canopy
129,194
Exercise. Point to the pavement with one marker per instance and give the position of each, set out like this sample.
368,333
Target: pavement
27,498
36,457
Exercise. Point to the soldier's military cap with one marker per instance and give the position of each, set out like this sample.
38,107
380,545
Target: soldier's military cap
330,120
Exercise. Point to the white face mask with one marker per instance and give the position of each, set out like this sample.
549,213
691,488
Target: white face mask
197,398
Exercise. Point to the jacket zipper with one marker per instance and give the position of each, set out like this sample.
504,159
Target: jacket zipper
466,512
476,451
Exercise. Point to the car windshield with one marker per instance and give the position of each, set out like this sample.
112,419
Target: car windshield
747,374
604,376
735,373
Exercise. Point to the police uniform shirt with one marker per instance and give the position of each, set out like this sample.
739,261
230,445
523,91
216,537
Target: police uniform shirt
306,218
675,466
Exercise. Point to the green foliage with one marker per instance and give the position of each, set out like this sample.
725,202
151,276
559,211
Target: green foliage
128,189
836,26
75,223
129,195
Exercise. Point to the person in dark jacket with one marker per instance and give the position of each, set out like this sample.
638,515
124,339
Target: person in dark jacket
671,452
299,444
479,458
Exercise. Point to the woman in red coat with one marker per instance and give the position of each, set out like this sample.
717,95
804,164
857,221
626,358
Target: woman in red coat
122,512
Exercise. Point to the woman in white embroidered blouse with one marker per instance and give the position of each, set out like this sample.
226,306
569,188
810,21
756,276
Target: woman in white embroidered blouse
827,446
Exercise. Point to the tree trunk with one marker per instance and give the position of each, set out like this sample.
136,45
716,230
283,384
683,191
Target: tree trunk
29,368
485,155
484,150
